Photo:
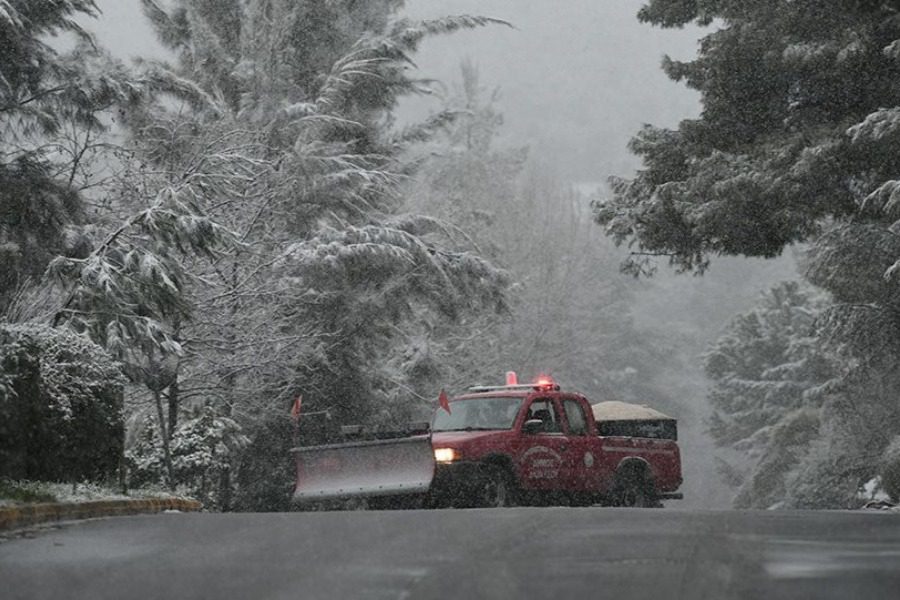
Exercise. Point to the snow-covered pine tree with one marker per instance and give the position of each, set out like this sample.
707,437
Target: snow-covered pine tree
50,107
768,369
797,135
321,131
113,277
53,108
291,102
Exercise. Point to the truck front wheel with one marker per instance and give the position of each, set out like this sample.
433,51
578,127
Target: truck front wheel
497,488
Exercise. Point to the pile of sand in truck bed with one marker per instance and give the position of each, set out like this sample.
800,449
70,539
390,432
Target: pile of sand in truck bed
622,411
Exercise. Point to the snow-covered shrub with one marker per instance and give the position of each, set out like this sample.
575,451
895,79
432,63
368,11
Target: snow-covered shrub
60,405
890,470
829,476
203,448
144,457
788,444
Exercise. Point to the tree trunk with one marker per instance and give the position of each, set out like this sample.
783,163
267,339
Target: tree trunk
123,473
164,434
225,489
173,399
229,381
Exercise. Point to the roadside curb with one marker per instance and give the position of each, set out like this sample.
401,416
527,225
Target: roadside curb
12,517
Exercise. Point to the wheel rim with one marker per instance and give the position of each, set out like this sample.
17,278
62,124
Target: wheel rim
634,497
495,491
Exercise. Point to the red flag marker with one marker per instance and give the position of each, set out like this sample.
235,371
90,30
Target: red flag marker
295,408
444,401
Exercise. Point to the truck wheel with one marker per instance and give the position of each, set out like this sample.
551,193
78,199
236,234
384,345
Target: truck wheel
636,490
635,495
497,488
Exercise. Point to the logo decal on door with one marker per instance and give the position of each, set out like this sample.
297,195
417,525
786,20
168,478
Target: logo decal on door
541,462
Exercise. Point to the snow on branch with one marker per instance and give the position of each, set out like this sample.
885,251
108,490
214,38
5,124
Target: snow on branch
408,34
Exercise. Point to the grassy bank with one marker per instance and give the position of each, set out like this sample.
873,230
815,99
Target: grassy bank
13,493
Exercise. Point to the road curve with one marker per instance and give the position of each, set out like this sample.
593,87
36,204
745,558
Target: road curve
502,553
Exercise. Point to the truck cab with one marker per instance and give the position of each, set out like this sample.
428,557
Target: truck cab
537,444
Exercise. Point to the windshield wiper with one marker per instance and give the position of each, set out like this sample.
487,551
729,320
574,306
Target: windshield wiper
470,429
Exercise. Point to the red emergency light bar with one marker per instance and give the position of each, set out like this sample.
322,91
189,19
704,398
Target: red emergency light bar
541,383
545,381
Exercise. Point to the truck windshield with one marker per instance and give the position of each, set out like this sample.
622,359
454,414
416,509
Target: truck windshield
478,413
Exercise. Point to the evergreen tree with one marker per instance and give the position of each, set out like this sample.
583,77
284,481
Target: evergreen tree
794,141
114,274
50,106
285,144
790,126
768,370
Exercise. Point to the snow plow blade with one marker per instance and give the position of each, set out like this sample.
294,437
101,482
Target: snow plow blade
362,469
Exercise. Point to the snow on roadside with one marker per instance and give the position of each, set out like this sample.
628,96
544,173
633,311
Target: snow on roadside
43,491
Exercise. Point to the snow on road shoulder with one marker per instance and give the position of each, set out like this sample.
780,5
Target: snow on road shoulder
14,493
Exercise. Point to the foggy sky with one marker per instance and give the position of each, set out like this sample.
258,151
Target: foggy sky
577,78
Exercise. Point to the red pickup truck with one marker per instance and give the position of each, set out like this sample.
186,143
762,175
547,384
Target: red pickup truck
505,445
536,444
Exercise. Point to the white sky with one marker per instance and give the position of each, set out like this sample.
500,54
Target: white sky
577,78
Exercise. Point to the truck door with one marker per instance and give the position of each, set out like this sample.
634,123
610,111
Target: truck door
582,466
541,456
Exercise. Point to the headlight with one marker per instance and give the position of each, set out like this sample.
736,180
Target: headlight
445,455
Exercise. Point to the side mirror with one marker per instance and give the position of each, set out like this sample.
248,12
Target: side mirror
533,426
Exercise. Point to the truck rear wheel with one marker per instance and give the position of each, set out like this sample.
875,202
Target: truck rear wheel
636,495
634,488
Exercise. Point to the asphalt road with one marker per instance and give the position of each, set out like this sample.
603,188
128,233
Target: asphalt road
503,553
